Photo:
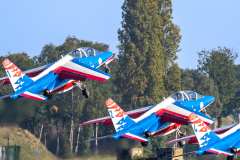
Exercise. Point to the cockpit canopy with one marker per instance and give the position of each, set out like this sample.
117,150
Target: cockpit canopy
186,96
84,52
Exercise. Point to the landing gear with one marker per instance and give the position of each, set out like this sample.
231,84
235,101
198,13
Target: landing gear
232,150
107,69
204,111
147,134
47,93
84,89
144,144
85,92
180,135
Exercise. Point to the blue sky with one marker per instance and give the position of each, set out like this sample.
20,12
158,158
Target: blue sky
29,25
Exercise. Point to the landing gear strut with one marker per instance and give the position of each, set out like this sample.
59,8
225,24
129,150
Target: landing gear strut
204,111
47,93
84,89
180,134
107,69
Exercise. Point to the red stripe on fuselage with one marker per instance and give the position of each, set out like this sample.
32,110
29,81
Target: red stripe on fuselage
168,129
70,84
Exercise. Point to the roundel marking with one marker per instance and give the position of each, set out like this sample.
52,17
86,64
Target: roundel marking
201,105
100,60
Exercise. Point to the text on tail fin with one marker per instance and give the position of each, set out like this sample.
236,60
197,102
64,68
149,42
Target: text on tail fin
17,78
203,133
119,118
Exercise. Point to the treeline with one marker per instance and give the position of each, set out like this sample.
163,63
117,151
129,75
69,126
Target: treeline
143,73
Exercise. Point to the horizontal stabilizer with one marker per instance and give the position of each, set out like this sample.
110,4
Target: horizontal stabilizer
5,96
99,138
33,96
135,137
218,151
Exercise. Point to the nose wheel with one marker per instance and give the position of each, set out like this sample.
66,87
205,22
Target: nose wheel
180,135
107,68
84,89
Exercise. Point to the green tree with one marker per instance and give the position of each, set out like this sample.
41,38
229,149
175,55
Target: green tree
219,65
187,78
205,86
149,42
173,79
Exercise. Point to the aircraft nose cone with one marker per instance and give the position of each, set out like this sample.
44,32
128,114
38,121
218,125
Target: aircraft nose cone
208,100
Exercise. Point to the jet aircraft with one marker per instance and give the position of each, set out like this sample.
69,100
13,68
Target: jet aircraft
227,143
159,119
58,77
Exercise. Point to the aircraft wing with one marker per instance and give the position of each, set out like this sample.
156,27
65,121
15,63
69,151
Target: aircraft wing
82,70
107,120
176,114
31,73
70,75
193,138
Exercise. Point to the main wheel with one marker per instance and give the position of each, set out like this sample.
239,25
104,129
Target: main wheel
181,144
144,144
85,92
232,150
147,134
47,93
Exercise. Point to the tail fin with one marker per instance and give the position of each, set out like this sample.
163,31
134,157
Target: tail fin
119,118
17,78
203,133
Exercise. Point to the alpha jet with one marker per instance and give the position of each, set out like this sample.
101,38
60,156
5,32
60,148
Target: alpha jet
69,71
227,143
159,119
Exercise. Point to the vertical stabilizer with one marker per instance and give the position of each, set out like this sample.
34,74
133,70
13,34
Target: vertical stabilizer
119,118
17,78
203,133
